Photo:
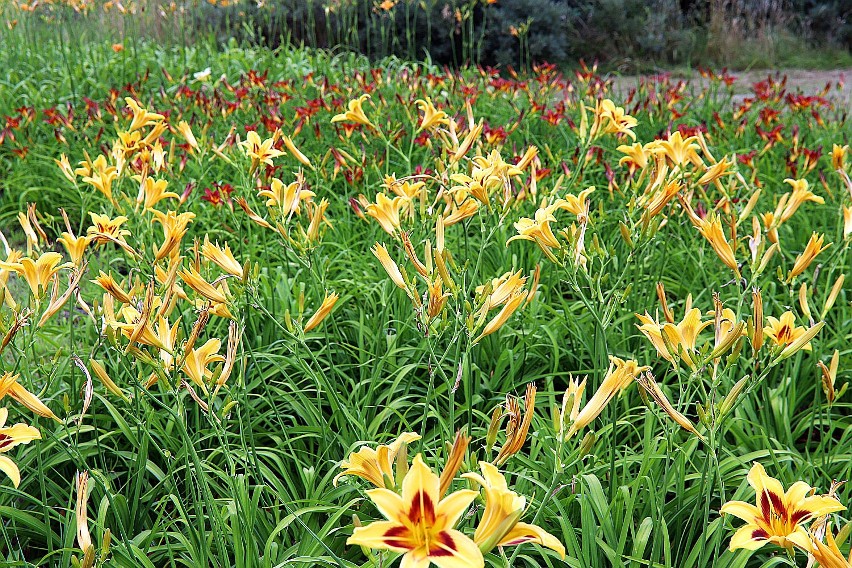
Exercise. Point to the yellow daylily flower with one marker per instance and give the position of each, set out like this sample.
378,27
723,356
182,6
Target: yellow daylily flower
681,337
316,214
195,281
783,331
419,525
677,150
102,176
153,191
137,328
322,312
778,516
141,117
714,172
355,113
828,555
9,385
196,362
75,246
636,156
114,289
620,375
287,198
39,272
386,212
537,230
800,194
222,257
460,212
432,117
186,131
376,465
380,252
11,436
106,230
509,308
65,167
711,229
610,119
502,288
291,147
260,152
576,204
838,156
174,228
500,524
812,249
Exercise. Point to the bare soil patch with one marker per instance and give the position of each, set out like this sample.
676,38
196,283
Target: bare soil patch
798,80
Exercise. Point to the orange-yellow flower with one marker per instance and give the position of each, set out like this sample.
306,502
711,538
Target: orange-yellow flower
141,117
260,152
778,516
783,331
153,191
800,194
537,230
386,212
711,229
812,249
322,312
432,117
39,272
376,465
620,375
75,246
389,265
9,385
196,362
195,281
174,228
678,150
420,525
11,436
500,524
222,257
287,198
680,338
355,112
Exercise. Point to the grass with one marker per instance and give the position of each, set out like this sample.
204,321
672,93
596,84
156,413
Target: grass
245,477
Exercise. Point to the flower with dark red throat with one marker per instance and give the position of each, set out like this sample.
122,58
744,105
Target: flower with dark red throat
778,516
420,526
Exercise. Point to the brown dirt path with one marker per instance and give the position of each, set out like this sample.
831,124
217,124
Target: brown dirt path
805,81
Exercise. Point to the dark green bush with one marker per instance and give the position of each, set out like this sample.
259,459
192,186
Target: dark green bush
625,34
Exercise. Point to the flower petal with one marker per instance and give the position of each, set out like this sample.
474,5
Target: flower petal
741,510
523,532
455,504
388,503
750,537
383,535
8,467
455,550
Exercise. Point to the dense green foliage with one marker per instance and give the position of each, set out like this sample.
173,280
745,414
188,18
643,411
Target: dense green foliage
249,482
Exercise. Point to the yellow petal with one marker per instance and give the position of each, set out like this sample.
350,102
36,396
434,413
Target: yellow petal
523,532
375,536
741,510
746,538
8,467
